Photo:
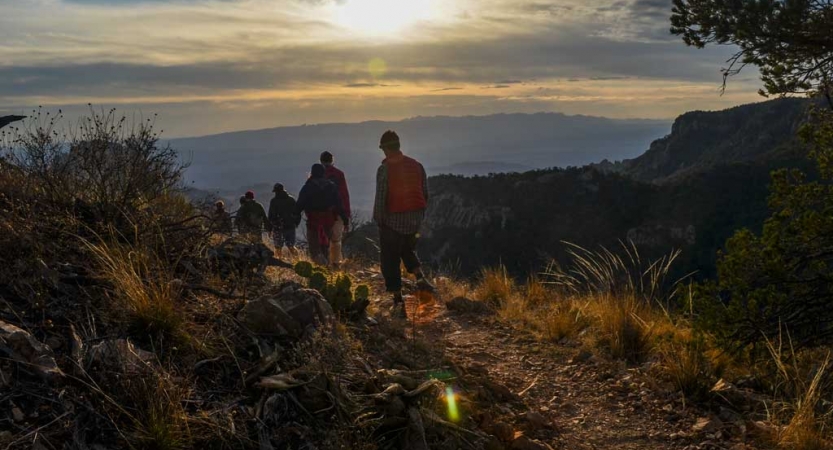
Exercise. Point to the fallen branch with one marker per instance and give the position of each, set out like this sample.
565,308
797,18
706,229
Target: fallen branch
535,381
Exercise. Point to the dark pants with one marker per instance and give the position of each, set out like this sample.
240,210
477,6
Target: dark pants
394,248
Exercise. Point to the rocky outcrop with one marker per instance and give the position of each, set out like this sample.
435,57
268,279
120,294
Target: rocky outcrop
451,210
290,312
702,139
22,347
662,235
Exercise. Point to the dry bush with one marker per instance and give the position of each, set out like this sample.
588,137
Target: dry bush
105,173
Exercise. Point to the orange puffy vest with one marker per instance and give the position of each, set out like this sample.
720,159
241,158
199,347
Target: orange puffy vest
405,184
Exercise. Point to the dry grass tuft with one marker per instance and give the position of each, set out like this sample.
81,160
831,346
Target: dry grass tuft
803,390
160,422
624,326
686,362
495,287
143,292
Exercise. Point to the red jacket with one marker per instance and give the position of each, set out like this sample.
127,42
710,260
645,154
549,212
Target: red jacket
406,184
337,176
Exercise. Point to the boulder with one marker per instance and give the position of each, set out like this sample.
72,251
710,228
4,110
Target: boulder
536,421
22,347
286,314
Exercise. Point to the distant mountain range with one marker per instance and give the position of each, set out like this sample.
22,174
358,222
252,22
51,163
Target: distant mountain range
230,163
691,190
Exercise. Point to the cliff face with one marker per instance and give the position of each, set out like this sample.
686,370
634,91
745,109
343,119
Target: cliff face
701,140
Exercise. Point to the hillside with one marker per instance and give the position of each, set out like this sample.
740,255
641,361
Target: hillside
700,141
691,190
128,320
473,145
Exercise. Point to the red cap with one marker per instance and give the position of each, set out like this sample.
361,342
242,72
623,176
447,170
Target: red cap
250,194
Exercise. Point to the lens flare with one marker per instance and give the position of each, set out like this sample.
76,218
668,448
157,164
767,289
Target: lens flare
377,67
451,399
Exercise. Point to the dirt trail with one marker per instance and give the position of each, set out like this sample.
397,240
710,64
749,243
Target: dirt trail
560,394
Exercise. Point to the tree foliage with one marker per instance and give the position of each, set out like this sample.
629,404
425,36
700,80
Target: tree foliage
782,279
790,41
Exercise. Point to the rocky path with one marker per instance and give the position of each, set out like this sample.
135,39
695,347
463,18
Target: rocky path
534,396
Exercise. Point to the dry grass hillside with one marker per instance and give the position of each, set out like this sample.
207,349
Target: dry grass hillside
126,322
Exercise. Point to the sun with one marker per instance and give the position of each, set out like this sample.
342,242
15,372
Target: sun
382,17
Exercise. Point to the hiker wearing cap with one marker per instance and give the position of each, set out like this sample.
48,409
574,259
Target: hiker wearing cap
401,200
334,174
320,201
283,218
220,218
251,217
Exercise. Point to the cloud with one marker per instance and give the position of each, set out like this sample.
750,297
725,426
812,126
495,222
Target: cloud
269,52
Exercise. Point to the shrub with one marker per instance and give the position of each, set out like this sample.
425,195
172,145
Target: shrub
784,277
105,177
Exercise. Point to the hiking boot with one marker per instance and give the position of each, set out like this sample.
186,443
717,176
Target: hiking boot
398,310
424,285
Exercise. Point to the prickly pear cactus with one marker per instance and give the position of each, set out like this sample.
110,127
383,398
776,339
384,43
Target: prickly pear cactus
318,281
362,292
341,293
303,268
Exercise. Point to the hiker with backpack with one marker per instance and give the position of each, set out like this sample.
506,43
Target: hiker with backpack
220,218
320,202
399,209
283,218
340,226
251,218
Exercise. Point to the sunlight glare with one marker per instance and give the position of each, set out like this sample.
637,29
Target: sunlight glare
382,17
450,398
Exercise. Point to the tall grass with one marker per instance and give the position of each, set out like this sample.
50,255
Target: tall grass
495,287
619,274
160,422
143,291
622,293
802,389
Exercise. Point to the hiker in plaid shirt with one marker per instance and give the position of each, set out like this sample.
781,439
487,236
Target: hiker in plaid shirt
401,200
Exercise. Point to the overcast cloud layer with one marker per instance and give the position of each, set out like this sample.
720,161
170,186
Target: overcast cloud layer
217,65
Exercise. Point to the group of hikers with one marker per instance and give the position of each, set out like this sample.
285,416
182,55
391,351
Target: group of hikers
399,209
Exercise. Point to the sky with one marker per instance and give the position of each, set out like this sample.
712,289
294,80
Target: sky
209,66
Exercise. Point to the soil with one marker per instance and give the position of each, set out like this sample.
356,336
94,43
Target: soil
557,395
